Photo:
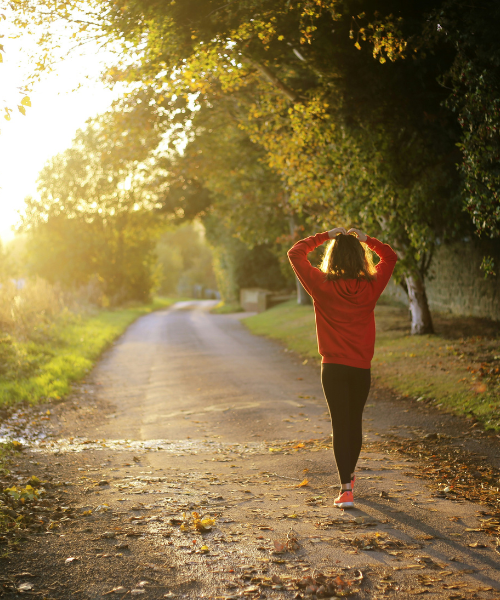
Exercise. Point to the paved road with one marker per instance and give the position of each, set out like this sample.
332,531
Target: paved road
176,367
185,372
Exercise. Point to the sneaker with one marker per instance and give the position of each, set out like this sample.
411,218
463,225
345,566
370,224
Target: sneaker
345,500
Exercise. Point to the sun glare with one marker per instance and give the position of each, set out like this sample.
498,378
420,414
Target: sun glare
60,104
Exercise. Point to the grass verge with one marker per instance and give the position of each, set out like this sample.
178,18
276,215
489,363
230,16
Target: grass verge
44,367
224,308
457,369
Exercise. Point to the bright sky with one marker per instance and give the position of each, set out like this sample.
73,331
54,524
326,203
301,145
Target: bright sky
27,142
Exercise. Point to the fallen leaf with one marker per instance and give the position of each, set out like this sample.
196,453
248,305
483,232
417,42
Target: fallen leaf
108,535
117,590
251,590
364,520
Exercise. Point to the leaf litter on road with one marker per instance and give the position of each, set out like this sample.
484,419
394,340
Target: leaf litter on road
453,470
181,509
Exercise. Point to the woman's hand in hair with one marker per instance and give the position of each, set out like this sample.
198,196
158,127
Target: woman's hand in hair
336,231
359,233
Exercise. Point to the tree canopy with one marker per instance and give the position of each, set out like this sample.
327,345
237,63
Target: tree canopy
332,111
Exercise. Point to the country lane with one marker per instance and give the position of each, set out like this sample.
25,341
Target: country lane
187,373
195,461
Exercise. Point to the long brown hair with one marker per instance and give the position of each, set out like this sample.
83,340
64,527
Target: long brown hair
347,258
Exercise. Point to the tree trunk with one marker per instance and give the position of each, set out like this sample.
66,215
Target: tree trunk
303,297
225,274
421,320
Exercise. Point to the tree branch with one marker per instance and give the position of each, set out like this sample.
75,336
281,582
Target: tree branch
272,79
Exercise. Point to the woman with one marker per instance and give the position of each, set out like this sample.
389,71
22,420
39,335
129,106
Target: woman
345,291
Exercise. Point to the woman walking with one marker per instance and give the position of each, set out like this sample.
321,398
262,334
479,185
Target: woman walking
345,291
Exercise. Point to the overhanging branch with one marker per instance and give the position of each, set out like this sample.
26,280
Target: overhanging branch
272,79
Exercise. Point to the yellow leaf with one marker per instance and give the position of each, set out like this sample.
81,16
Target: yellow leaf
304,483
26,101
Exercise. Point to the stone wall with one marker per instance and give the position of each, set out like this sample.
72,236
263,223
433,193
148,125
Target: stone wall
456,283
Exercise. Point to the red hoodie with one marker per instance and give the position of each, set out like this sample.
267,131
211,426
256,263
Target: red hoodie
345,323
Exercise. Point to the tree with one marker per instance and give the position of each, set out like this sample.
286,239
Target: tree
338,95
239,199
334,123
96,214
184,258
470,33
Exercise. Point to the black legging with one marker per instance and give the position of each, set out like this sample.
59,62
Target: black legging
346,390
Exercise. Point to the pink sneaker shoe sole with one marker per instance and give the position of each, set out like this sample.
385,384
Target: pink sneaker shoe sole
344,504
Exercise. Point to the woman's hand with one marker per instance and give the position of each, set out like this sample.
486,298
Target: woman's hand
359,233
336,231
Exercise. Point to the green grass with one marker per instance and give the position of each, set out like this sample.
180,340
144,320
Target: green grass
45,367
457,369
224,308
290,323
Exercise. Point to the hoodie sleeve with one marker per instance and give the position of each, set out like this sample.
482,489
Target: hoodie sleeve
385,267
310,277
